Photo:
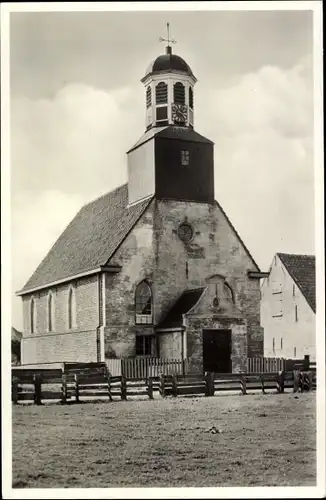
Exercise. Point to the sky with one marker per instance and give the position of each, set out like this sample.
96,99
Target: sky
77,105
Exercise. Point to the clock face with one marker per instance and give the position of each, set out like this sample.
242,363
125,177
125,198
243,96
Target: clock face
179,113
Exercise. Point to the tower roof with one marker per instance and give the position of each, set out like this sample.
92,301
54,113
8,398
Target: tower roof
167,63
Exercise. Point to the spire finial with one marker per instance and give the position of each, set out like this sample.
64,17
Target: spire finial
168,39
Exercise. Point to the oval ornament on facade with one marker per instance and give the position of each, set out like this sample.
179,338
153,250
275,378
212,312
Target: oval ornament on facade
185,232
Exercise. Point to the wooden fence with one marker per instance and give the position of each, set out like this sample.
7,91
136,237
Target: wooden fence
146,367
260,364
78,385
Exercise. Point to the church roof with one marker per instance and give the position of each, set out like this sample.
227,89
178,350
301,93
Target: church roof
168,63
90,239
171,132
302,268
185,302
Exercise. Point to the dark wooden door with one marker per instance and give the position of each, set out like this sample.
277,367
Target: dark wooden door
217,351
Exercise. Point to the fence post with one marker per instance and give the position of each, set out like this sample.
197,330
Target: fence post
243,384
14,390
262,383
162,385
309,380
280,382
209,384
150,388
76,380
306,363
296,380
64,389
109,385
174,386
37,389
123,388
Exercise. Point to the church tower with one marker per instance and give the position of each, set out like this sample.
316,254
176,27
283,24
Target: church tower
170,160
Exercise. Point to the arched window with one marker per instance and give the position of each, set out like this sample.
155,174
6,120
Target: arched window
161,93
148,97
191,98
179,93
50,312
143,304
33,315
71,308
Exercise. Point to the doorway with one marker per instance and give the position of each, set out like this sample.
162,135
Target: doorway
217,351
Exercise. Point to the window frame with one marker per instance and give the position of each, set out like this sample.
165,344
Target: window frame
146,342
72,313
185,157
50,312
32,315
179,97
143,318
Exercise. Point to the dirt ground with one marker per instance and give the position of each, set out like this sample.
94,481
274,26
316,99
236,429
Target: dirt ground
261,440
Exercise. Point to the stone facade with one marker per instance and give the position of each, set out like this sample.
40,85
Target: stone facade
288,320
105,303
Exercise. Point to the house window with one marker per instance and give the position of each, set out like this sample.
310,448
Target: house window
179,93
71,308
185,157
161,93
143,345
296,313
143,304
148,97
50,312
277,309
32,315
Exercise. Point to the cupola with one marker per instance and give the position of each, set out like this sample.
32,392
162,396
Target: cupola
169,90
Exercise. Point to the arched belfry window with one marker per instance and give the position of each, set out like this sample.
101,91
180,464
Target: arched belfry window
161,93
191,98
50,312
179,93
148,97
143,304
71,308
32,315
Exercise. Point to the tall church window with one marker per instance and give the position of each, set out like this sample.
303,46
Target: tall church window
50,312
161,93
143,304
148,97
33,315
179,93
71,308
191,98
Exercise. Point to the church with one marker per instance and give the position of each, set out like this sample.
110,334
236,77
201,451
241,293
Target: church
155,267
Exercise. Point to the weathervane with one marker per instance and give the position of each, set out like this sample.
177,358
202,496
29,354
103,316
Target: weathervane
168,39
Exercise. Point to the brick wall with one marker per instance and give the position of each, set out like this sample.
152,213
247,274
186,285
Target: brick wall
288,330
61,344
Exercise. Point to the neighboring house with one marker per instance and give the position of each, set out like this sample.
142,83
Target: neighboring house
155,267
16,337
288,307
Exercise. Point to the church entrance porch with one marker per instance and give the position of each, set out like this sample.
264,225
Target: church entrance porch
217,351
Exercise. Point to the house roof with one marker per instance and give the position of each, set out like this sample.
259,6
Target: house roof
16,334
90,239
185,302
302,269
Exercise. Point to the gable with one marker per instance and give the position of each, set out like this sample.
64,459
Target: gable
90,239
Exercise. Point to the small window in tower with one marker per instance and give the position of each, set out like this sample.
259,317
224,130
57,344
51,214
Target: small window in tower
191,98
148,97
179,93
185,157
161,93
161,113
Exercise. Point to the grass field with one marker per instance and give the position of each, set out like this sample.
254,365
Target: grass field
262,441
